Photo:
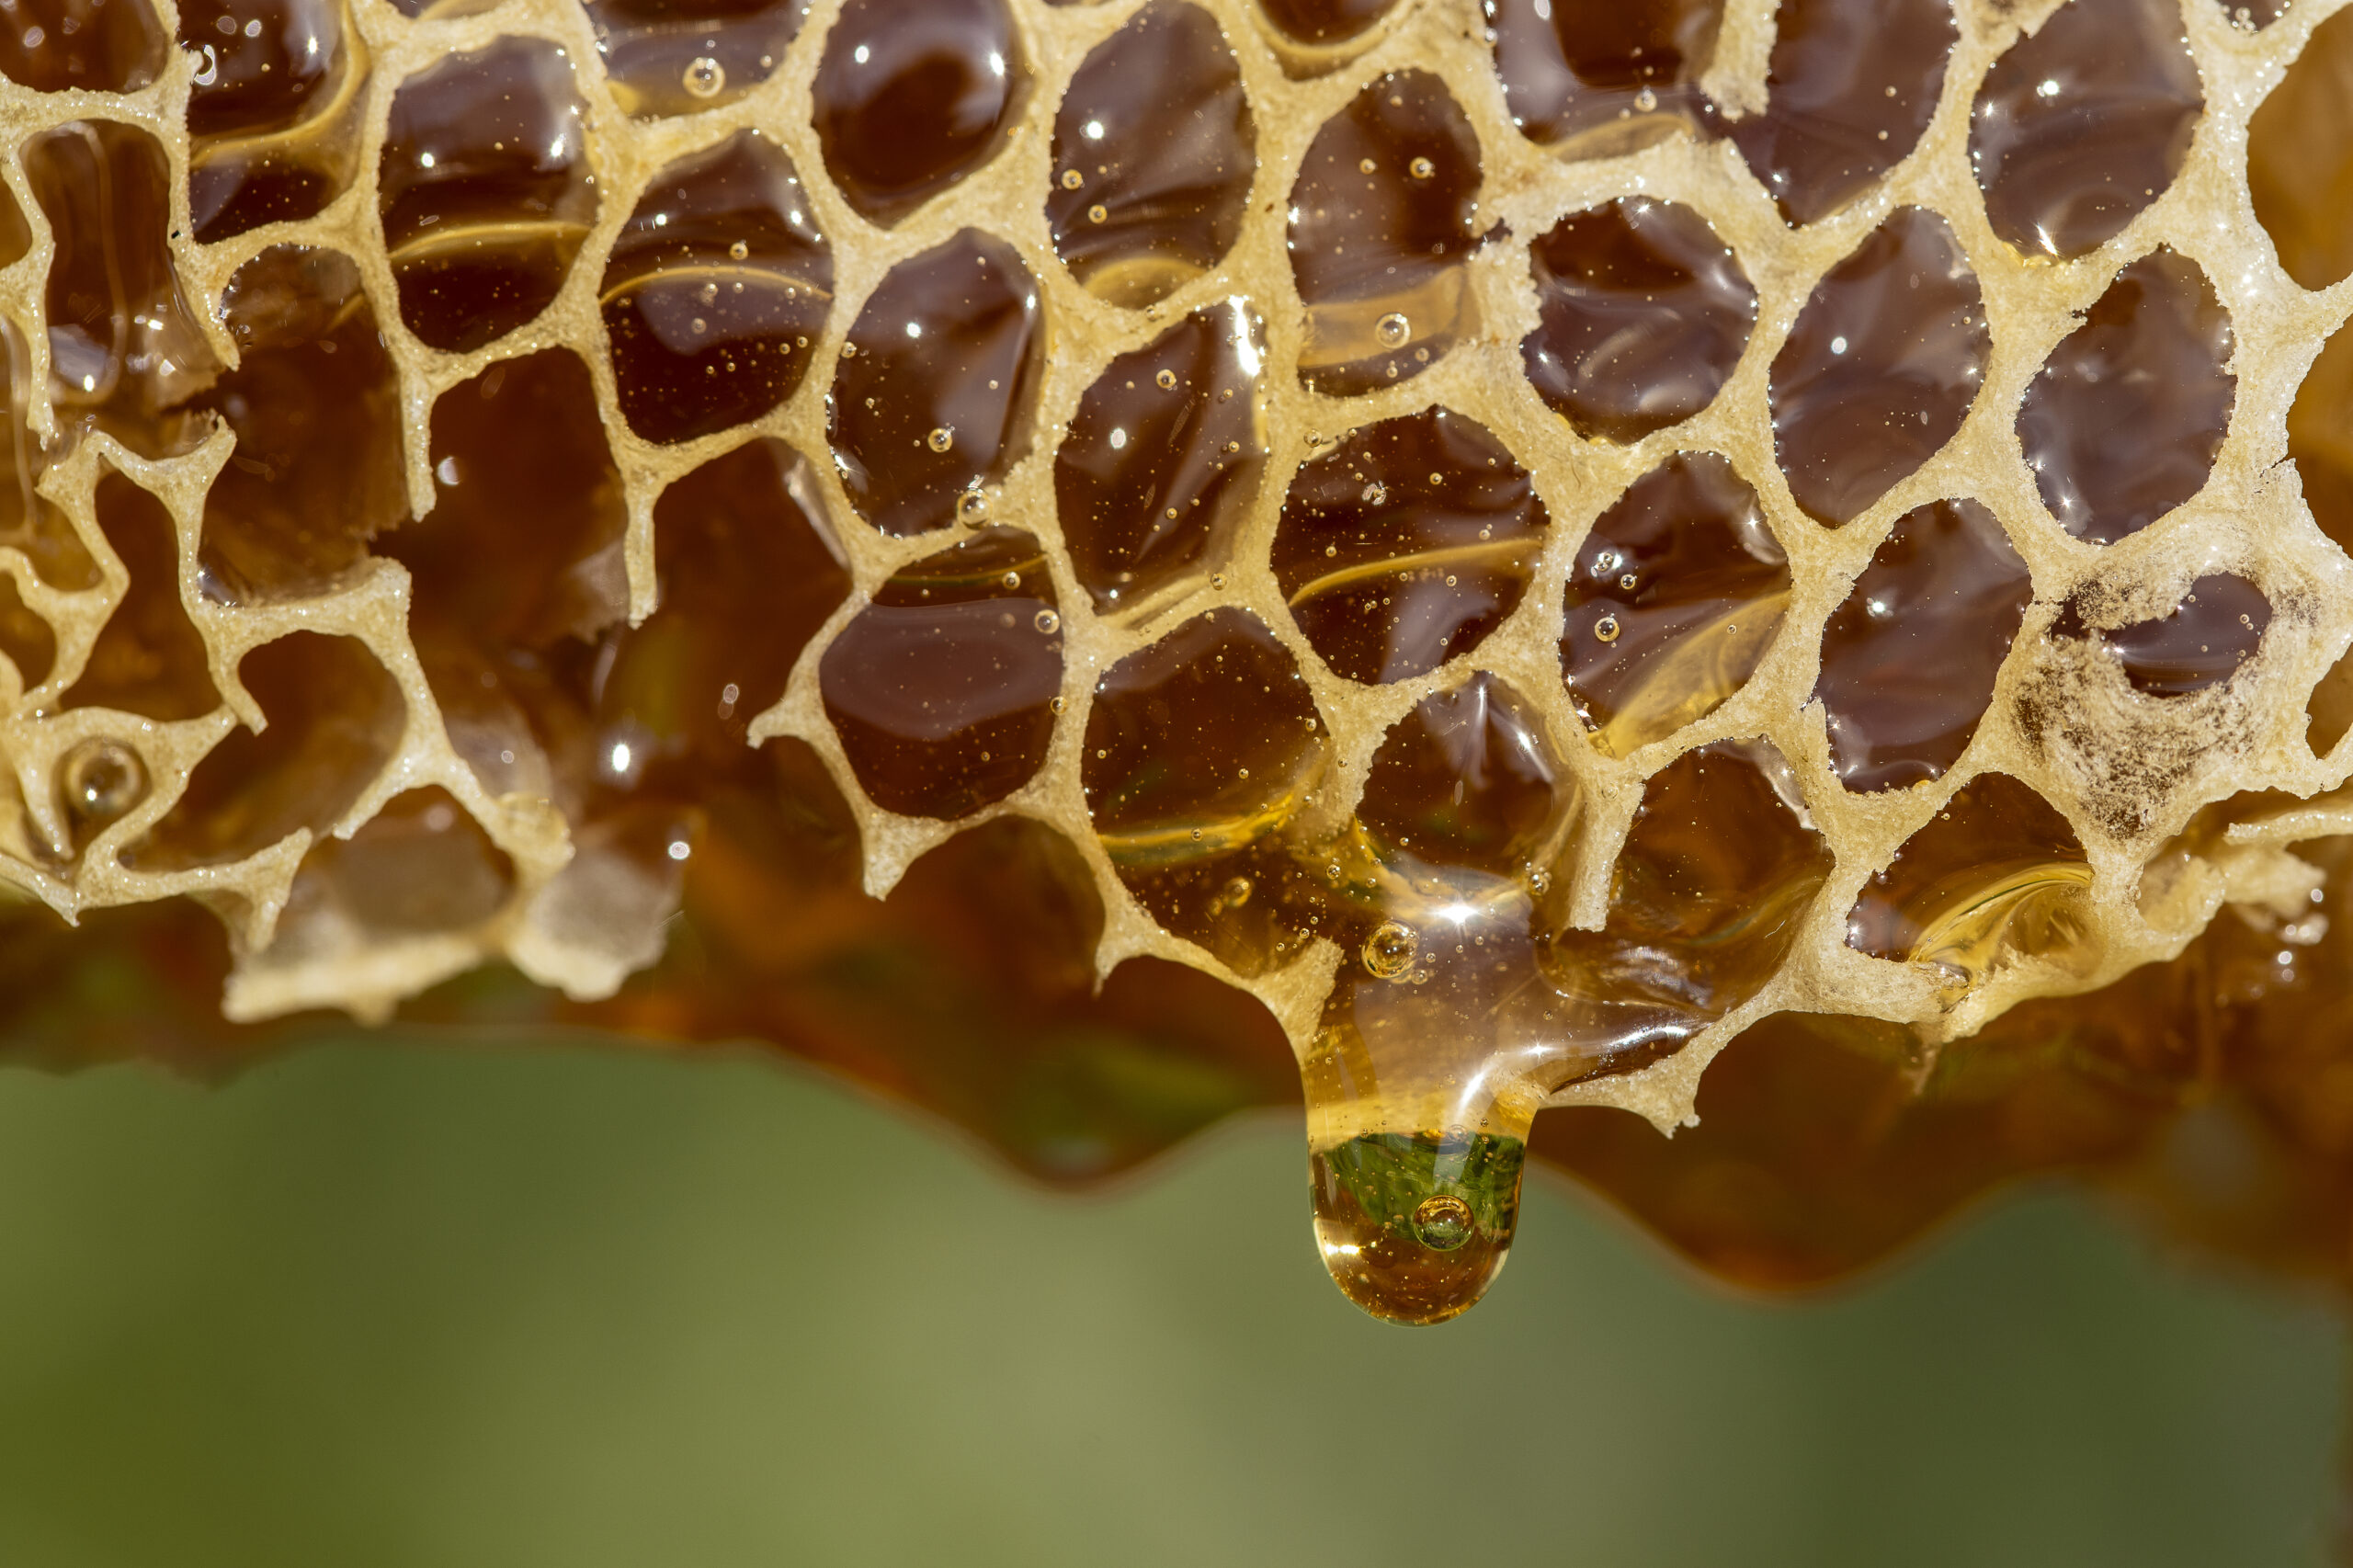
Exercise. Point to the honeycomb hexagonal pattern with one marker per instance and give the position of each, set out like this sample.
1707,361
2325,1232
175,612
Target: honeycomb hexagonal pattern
1532,540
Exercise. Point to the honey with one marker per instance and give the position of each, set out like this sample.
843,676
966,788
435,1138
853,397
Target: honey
1515,575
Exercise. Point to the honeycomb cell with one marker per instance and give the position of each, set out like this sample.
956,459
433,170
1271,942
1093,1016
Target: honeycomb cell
717,286
1880,368
1909,660
97,46
1165,457
2084,124
1595,78
148,658
1850,88
931,397
420,867
1675,596
1643,313
2299,159
25,637
666,57
1406,544
517,568
273,111
123,341
2123,421
2320,437
333,719
30,521
1200,751
1324,22
1383,216
942,688
313,402
2202,641
747,576
1719,867
485,190
1154,148
1468,778
913,96
1996,877
98,783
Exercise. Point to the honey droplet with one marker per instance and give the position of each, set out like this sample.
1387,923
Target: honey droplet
1442,1222
1392,330
1390,951
705,77
941,438
99,780
1046,621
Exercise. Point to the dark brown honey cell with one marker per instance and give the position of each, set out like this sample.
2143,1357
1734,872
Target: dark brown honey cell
422,865
1880,368
148,659
15,234
271,113
314,403
1324,21
2080,126
1908,662
2320,437
664,57
2299,159
516,566
1851,86
2123,421
122,339
1406,544
30,521
25,637
1165,457
1998,874
1467,778
718,284
746,579
1595,78
1673,600
931,397
1201,750
1152,153
2202,641
485,190
942,688
1643,313
1383,217
97,46
1705,900
913,96
334,719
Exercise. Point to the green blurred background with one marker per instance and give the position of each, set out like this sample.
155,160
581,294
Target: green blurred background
383,1303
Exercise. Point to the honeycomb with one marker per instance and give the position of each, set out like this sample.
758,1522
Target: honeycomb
1039,555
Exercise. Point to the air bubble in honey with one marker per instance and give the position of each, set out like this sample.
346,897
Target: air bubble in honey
98,781
1390,951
